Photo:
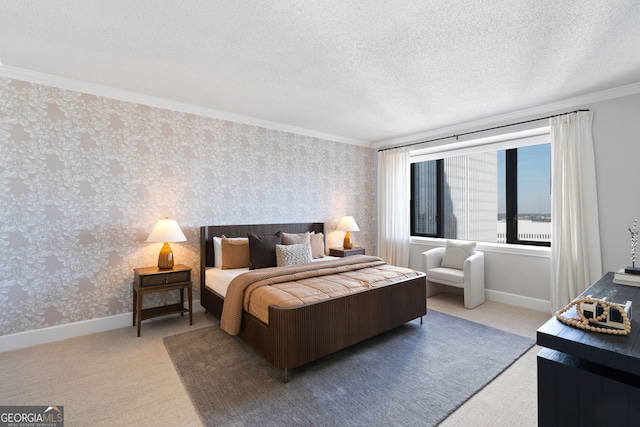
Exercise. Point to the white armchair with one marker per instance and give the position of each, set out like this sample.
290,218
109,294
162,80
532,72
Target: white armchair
456,265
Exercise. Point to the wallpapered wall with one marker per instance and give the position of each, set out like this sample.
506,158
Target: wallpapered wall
83,180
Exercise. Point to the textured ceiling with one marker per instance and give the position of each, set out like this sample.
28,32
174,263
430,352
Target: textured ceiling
364,70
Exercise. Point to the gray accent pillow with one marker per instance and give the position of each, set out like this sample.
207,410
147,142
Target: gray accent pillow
295,238
293,254
317,245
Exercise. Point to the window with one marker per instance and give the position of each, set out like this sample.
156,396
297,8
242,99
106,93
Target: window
499,192
424,198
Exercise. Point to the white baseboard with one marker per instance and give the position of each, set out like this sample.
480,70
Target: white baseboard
86,327
70,330
518,300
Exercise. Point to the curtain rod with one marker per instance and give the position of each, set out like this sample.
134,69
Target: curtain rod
478,131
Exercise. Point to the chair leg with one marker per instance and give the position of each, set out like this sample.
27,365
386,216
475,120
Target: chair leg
433,289
473,298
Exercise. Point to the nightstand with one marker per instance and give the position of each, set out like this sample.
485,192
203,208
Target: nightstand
346,252
151,279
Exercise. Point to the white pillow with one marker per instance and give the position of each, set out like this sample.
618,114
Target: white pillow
456,253
293,254
217,249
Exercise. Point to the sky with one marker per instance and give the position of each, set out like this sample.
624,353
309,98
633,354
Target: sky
534,180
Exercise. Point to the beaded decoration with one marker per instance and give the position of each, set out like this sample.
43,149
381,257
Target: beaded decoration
583,323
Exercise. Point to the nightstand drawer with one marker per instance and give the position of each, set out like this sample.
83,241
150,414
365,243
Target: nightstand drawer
165,278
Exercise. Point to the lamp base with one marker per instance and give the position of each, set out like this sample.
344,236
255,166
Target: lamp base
165,259
632,270
347,243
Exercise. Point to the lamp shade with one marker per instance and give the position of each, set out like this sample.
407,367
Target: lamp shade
347,223
166,230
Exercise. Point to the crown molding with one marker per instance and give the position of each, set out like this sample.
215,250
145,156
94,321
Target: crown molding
487,122
138,98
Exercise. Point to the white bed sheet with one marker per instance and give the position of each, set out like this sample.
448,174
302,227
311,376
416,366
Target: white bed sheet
218,279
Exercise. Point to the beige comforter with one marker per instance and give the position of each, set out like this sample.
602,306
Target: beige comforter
301,284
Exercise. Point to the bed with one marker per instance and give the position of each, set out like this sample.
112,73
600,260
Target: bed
298,335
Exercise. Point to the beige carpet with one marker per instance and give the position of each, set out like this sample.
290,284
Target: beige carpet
116,379
511,399
107,379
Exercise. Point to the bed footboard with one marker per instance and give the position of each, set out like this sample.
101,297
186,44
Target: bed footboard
299,335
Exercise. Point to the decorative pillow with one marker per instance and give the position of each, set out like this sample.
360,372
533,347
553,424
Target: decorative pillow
295,238
456,253
262,249
235,253
293,254
317,245
217,249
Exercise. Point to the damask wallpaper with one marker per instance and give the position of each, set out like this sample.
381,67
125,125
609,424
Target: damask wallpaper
83,180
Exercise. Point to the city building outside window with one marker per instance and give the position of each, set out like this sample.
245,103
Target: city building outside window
499,192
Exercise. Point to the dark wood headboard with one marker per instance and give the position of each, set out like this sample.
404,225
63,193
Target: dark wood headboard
208,232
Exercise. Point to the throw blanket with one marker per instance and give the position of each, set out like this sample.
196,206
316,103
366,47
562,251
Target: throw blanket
355,274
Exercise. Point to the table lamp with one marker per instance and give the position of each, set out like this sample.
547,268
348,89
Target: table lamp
166,230
348,224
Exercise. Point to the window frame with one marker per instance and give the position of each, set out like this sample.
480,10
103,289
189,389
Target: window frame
510,143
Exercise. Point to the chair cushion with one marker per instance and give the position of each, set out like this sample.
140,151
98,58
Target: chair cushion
456,253
447,275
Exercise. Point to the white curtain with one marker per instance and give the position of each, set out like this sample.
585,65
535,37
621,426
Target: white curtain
394,191
576,261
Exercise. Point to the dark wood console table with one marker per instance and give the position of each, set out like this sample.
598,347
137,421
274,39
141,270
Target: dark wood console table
588,378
